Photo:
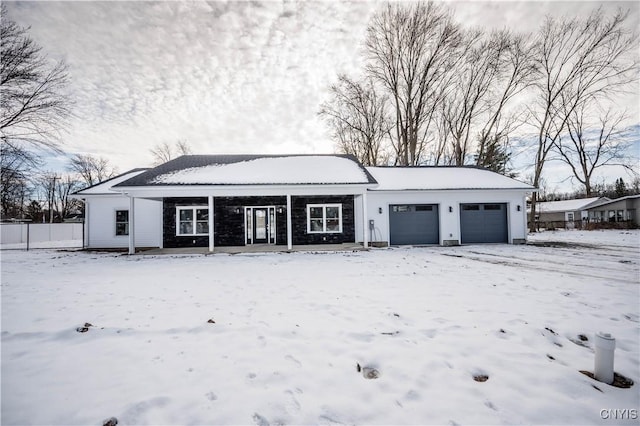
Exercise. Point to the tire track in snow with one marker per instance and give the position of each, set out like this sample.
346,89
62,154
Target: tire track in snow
534,265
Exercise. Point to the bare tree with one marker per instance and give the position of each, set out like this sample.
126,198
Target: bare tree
577,60
586,151
34,106
91,169
517,71
15,166
411,51
466,100
496,67
46,183
357,116
164,152
65,186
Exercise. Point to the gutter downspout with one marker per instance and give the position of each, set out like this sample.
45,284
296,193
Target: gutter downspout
211,224
365,221
132,230
289,227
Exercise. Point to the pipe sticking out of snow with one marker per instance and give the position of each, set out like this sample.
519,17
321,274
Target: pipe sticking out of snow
605,346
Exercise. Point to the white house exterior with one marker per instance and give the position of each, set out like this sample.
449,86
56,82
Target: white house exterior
495,202
102,204
209,201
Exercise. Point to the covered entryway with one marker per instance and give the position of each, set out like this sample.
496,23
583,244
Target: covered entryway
483,223
260,225
413,224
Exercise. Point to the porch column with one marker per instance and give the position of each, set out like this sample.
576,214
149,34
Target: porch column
365,220
85,225
211,233
132,231
289,236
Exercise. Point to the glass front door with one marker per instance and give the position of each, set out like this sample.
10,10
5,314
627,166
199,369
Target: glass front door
260,223
260,228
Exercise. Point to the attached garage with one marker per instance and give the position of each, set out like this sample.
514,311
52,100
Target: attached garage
484,223
414,224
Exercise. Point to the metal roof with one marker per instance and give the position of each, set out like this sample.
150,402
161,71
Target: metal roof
158,176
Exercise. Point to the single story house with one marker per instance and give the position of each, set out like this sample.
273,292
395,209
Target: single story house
235,200
622,209
565,210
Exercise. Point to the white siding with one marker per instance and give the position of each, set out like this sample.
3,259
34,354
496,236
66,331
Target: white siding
449,221
101,220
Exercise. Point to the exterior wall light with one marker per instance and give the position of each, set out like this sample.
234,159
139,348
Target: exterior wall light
450,209
518,207
280,210
380,210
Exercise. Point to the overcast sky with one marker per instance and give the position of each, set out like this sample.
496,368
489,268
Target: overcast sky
227,77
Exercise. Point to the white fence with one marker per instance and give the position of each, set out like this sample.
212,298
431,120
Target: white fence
40,235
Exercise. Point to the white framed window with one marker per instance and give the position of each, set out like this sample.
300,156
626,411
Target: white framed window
122,222
324,218
192,220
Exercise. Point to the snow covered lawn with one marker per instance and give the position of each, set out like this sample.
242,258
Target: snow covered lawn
289,330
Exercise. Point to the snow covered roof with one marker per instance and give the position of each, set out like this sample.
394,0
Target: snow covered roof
441,178
567,205
604,201
255,170
105,186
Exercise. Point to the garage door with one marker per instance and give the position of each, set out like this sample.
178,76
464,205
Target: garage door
483,223
413,224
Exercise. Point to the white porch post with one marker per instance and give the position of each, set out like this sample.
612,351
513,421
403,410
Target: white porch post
365,220
211,233
289,227
132,221
86,223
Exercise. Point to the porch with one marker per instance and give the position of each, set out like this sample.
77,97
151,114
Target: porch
257,248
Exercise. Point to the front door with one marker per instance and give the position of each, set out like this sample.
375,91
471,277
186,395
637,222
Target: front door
260,226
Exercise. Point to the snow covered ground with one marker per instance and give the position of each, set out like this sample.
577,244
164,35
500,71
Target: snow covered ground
43,244
290,329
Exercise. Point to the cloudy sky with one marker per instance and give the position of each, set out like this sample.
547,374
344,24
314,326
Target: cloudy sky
227,77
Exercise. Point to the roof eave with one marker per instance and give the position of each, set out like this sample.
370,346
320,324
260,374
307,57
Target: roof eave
452,189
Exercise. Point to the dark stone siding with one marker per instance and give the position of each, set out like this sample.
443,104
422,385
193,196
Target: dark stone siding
169,237
299,220
229,226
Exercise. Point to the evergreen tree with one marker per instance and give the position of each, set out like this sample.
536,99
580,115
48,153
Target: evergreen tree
494,155
621,188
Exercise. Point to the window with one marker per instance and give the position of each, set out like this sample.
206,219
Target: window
324,218
122,222
424,208
192,221
492,207
570,217
401,209
469,207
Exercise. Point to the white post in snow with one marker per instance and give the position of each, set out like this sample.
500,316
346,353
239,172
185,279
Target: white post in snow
132,231
211,233
86,224
289,227
365,220
605,346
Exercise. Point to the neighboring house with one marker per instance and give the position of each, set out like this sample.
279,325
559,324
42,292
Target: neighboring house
235,200
622,209
565,211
